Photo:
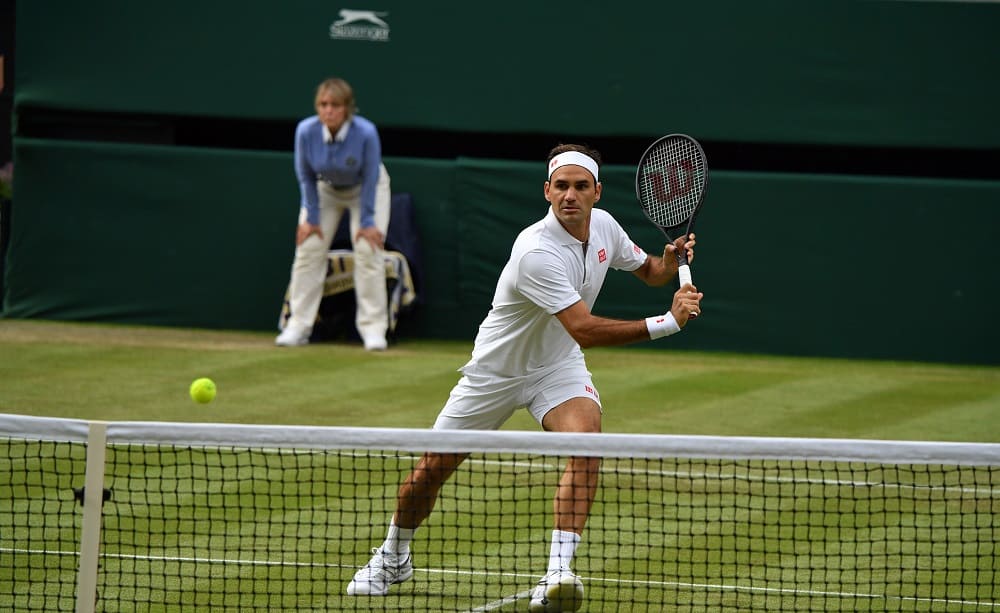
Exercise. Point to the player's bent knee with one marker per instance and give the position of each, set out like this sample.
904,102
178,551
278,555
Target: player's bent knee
574,415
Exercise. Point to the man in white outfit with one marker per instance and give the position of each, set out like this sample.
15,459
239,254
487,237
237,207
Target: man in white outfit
528,354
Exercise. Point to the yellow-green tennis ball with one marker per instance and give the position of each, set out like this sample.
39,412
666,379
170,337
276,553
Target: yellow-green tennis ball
203,390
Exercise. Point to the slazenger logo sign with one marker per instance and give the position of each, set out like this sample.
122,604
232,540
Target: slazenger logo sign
360,25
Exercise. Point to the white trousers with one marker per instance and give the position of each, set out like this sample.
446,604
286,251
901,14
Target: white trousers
310,264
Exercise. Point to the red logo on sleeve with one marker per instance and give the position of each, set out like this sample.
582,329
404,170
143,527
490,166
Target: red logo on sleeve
602,255
636,248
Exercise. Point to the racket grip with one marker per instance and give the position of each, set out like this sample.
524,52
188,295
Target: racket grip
684,274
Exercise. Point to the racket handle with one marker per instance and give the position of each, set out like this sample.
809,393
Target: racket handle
684,274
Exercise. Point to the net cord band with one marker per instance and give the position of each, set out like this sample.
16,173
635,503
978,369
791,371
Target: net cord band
419,440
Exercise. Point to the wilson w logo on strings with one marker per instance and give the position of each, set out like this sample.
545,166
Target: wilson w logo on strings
674,181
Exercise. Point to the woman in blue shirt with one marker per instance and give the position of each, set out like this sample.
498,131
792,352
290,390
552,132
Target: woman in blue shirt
338,161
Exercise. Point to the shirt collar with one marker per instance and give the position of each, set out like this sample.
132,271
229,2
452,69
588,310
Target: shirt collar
341,133
558,231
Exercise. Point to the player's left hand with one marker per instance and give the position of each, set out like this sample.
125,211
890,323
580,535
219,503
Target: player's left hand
681,243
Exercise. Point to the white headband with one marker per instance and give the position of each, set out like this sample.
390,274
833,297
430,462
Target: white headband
575,158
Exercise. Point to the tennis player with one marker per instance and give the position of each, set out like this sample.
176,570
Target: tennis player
527,354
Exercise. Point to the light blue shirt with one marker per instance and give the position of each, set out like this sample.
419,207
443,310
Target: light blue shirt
352,156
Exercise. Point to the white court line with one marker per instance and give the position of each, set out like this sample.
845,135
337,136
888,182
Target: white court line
983,490
521,595
749,588
498,604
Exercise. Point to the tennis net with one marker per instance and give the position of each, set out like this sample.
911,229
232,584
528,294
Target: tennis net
141,516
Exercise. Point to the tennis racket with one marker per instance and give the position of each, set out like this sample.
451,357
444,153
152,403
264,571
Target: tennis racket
670,184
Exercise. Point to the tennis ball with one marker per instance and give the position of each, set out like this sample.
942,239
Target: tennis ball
203,390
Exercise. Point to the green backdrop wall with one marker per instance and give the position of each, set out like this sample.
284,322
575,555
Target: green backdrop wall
852,72
808,265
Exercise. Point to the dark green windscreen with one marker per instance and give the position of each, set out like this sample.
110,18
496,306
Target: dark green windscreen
876,73
804,265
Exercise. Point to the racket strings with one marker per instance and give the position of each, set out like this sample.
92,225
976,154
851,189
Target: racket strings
673,179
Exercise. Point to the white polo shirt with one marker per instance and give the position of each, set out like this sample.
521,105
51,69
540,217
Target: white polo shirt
548,271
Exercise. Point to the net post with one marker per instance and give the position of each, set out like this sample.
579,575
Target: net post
93,501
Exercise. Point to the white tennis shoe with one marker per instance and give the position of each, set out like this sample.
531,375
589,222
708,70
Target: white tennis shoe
375,343
557,591
293,336
381,572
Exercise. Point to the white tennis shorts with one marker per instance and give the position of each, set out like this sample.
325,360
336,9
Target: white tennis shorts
485,402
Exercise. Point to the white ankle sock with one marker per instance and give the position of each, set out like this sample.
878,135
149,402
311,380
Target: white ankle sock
563,549
397,540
